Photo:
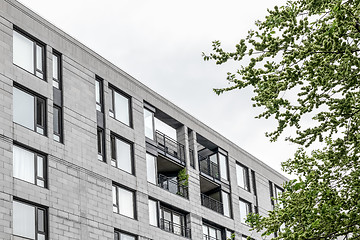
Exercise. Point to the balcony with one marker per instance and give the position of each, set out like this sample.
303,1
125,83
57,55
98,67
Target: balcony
173,186
175,228
206,237
212,204
209,167
170,147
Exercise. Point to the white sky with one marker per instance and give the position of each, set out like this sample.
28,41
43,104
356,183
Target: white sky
160,42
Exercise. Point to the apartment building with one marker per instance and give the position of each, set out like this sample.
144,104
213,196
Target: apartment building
88,152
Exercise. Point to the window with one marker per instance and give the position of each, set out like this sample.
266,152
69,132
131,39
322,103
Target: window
29,221
211,233
226,203
99,94
29,110
153,213
149,123
242,174
29,166
120,107
56,67
101,144
278,192
229,234
29,54
245,209
123,201
172,221
223,166
123,236
57,122
151,168
122,154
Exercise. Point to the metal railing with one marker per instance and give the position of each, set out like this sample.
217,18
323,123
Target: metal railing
211,203
192,158
173,186
207,237
170,146
208,167
175,228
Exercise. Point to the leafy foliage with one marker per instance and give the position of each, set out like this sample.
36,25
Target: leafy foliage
303,63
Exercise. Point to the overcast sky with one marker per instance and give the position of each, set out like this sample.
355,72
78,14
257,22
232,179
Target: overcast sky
159,42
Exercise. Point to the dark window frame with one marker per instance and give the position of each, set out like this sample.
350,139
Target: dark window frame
101,93
246,177
118,232
45,164
101,143
37,98
59,67
38,208
113,137
248,208
117,204
183,219
112,113
60,123
36,43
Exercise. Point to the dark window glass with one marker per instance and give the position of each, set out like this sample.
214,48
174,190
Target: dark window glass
57,122
101,144
99,94
41,220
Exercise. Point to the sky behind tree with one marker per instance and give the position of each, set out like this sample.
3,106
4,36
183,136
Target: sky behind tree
160,42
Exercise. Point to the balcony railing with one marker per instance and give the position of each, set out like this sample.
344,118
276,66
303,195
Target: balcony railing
211,203
170,146
192,160
208,167
173,186
206,237
175,228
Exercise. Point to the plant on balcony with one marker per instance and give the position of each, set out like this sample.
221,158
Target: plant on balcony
183,181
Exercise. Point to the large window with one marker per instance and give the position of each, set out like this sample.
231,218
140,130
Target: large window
123,201
57,122
57,71
172,221
223,166
242,175
29,54
149,123
99,94
29,110
226,203
151,168
211,233
29,166
120,107
29,222
122,154
245,209
153,212
123,236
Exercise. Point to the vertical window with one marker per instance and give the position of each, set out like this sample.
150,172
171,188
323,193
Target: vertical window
151,168
211,233
101,144
277,193
120,107
123,201
123,236
122,154
99,94
57,122
149,124
226,203
172,221
29,221
223,166
29,110
242,175
153,213
245,209
29,166
229,234
56,67
29,54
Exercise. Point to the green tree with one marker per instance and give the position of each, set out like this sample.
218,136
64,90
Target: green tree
303,63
